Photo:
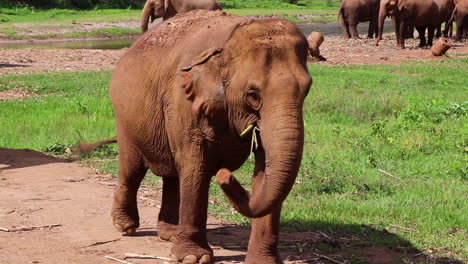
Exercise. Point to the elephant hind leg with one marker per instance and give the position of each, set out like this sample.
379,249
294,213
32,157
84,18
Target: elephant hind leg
346,32
132,170
354,32
168,218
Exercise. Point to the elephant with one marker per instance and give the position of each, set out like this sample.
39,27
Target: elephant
445,12
188,96
460,16
168,8
315,39
354,11
405,14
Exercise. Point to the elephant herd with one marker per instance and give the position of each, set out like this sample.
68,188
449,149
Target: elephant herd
406,15
195,96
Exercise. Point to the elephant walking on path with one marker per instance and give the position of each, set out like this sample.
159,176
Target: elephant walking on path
354,11
166,9
188,96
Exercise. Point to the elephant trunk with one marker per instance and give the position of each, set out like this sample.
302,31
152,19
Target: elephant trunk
277,163
145,16
382,14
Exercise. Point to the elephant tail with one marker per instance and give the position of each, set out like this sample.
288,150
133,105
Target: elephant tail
340,14
85,147
448,24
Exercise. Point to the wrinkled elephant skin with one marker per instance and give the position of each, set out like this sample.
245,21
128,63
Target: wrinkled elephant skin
183,94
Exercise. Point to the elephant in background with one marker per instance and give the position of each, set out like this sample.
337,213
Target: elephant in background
354,11
166,9
405,14
445,12
460,16
188,96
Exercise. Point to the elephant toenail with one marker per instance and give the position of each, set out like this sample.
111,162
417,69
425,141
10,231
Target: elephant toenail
130,231
190,259
118,227
174,258
205,259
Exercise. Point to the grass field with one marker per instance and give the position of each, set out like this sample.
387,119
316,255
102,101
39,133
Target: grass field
386,148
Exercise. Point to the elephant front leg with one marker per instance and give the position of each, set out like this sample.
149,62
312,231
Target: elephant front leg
430,34
168,218
402,30
422,37
190,243
263,243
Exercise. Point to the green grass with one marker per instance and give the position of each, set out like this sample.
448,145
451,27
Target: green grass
408,120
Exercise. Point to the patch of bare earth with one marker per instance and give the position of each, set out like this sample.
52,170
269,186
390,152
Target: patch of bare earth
24,61
336,49
13,94
340,51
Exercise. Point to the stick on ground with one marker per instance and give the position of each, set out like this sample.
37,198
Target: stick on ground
28,228
137,256
118,260
328,258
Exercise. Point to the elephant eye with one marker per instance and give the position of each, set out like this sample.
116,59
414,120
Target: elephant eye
253,99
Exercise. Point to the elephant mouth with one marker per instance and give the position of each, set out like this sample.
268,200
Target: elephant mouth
252,133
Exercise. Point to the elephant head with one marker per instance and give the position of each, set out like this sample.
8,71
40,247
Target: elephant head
257,77
152,9
387,8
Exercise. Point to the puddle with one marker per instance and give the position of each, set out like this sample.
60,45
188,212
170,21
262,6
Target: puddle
327,29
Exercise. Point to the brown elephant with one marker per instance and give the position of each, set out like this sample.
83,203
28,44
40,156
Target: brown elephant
168,8
354,11
315,39
445,12
188,96
405,14
460,16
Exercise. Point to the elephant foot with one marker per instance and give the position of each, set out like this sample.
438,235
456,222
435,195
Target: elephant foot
253,258
166,231
401,47
190,252
124,222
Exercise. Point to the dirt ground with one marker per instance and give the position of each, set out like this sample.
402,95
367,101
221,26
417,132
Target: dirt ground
40,190
335,49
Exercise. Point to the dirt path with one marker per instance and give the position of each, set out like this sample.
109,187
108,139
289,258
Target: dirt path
38,190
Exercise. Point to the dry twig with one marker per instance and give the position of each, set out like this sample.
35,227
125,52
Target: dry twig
27,228
108,183
118,260
137,256
328,258
101,243
389,174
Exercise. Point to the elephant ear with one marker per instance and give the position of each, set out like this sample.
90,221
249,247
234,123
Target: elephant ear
203,85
